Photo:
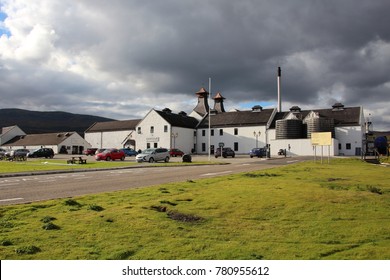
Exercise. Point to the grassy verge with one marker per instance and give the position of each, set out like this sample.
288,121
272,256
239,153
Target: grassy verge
302,211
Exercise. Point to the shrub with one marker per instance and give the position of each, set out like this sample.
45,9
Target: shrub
72,202
374,189
95,207
6,243
50,226
27,250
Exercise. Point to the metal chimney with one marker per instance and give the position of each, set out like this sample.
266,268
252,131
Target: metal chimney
279,96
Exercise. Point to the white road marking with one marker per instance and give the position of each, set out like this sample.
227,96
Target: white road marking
11,199
9,184
291,161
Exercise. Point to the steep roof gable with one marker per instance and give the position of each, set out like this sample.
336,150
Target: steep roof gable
178,120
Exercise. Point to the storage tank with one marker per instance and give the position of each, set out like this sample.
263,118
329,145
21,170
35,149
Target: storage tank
289,129
319,124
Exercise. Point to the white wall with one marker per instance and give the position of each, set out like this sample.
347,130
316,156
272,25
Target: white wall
158,138
350,139
245,138
107,139
301,147
183,140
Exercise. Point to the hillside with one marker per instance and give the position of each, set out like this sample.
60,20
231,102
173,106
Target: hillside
33,122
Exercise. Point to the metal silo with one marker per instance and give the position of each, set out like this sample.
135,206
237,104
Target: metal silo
289,129
319,124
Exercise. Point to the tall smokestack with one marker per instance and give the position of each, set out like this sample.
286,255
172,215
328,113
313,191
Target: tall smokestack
279,97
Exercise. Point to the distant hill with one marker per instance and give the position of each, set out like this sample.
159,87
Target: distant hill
33,122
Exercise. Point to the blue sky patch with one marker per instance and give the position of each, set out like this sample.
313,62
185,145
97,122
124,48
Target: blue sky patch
3,30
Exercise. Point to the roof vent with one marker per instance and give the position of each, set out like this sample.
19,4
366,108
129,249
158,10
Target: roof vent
295,109
183,114
213,112
67,134
257,108
167,111
59,135
338,107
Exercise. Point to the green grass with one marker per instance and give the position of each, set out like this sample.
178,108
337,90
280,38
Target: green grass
301,211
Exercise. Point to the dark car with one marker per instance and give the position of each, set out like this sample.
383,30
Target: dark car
90,151
226,152
19,153
176,152
42,152
111,154
129,152
257,152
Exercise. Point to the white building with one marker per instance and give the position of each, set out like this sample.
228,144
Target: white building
61,142
112,134
166,129
239,130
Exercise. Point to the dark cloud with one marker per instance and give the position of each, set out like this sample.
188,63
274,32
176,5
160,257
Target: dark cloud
116,55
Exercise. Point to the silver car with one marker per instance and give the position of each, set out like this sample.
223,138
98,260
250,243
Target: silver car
152,155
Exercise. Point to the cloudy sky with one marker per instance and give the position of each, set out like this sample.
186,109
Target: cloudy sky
120,58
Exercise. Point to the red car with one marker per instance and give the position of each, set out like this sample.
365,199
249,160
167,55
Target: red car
110,154
175,153
90,151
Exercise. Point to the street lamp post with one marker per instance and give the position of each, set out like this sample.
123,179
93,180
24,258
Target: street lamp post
257,135
174,136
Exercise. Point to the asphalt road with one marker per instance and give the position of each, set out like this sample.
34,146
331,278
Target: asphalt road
25,189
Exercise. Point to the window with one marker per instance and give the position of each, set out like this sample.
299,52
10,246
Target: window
236,146
147,145
139,130
155,145
212,132
348,146
339,146
165,128
221,132
152,129
203,147
203,132
236,131
194,133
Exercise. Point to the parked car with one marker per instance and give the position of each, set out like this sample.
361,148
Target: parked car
2,153
257,152
90,151
42,152
176,152
226,152
129,152
110,154
19,153
101,150
152,155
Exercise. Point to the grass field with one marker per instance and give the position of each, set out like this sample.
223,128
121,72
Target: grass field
301,211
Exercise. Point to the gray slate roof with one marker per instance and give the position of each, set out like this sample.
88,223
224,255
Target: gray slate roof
113,126
178,120
39,139
238,118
